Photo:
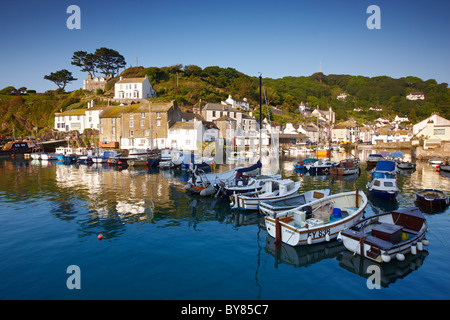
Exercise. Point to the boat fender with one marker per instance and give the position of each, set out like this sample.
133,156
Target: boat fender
385,257
420,246
209,190
339,237
425,242
414,249
309,240
400,257
327,237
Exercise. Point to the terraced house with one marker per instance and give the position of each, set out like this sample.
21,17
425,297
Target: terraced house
138,126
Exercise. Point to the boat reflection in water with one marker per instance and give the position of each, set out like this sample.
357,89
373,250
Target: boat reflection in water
390,272
302,256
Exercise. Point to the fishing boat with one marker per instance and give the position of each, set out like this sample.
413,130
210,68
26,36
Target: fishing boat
435,161
301,165
321,166
274,189
167,164
383,185
405,165
432,198
445,167
318,221
205,184
49,156
387,236
269,207
373,158
346,167
18,147
244,183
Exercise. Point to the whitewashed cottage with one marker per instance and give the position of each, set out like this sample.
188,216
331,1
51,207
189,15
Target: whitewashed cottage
133,88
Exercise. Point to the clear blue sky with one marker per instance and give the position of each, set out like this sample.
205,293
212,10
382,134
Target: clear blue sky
277,38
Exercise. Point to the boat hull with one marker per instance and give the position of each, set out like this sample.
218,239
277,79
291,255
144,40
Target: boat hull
432,198
315,231
361,239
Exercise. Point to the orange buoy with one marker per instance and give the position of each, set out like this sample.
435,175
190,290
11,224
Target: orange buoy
100,237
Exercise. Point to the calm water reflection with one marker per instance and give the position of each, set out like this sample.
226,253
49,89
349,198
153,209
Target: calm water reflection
161,243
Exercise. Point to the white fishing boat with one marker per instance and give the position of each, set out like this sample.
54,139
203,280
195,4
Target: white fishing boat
383,186
384,182
320,166
435,161
49,156
273,189
207,184
318,221
269,207
387,236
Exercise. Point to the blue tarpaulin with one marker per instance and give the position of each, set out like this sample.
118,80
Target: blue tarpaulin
396,154
385,165
257,165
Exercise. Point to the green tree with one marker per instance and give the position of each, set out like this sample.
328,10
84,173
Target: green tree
61,78
109,61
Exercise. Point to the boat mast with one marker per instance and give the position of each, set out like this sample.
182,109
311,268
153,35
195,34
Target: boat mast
260,121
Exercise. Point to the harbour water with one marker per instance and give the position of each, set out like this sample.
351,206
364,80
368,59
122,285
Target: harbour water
160,243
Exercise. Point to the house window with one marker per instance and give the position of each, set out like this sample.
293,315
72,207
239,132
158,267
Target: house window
147,133
135,85
158,115
101,121
90,119
113,120
141,123
131,123
188,142
131,133
142,114
113,130
158,123
101,130
438,132
131,116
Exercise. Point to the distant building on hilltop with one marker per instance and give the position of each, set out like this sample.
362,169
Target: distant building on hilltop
94,83
415,96
342,96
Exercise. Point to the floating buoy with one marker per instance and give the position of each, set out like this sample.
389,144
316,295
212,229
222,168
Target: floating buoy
420,246
400,256
100,237
414,249
425,242
385,257
309,240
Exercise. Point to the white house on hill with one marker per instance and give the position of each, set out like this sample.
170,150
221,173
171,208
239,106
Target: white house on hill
415,96
242,104
133,88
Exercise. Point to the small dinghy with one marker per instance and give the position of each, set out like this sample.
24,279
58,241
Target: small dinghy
387,236
432,198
